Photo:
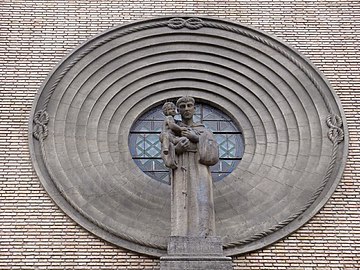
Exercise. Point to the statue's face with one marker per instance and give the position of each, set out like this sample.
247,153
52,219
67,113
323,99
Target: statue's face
171,111
187,110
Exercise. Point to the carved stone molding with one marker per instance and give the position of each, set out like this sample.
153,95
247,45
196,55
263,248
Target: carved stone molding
293,125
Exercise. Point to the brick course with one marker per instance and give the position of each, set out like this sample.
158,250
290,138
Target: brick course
35,35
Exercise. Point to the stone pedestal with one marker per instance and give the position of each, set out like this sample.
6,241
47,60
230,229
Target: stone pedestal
188,253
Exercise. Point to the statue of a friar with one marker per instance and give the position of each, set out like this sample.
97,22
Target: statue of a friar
188,149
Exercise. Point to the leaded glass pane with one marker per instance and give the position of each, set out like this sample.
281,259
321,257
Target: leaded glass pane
211,125
211,115
145,146
227,126
144,164
161,176
159,165
142,126
227,145
197,118
157,126
153,114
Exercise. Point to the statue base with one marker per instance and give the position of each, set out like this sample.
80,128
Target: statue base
185,253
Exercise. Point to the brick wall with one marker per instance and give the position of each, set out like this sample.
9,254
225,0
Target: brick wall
35,35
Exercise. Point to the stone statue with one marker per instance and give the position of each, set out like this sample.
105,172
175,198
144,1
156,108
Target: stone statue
188,149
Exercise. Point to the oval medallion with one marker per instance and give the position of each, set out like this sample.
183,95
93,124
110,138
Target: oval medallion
291,121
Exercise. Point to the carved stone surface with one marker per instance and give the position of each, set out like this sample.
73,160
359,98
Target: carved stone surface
189,149
195,253
292,123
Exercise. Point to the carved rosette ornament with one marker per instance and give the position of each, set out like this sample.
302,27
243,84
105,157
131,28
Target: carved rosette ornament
292,122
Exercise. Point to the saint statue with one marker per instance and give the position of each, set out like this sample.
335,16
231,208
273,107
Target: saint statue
189,149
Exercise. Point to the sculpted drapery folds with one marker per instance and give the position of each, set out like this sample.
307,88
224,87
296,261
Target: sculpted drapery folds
188,149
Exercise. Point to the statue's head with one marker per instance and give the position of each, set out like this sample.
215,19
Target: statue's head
169,108
186,107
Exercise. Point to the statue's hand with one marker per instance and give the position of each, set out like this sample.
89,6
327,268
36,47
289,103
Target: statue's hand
182,146
190,135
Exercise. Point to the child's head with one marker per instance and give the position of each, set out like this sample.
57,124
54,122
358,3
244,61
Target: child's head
169,108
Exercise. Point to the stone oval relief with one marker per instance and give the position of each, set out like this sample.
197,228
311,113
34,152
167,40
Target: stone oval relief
292,123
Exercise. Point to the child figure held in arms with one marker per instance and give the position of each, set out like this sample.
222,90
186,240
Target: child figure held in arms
171,133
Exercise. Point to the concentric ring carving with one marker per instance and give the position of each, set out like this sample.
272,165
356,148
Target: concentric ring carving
291,120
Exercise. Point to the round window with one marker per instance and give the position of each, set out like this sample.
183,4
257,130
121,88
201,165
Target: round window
145,146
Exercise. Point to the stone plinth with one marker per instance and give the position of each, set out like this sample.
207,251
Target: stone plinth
185,253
